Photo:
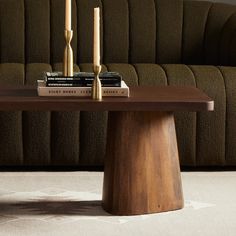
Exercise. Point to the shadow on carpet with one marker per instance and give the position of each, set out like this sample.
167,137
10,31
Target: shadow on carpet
50,207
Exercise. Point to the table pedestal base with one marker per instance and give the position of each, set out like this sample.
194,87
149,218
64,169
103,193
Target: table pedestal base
142,173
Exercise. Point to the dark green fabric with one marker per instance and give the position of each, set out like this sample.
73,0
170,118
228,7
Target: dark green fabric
65,134
36,136
232,51
135,35
12,32
11,138
85,29
12,74
227,43
116,44
65,138
207,138
35,71
127,71
209,33
93,128
181,75
36,125
210,139
37,19
169,18
150,74
57,30
194,26
229,75
142,18
218,16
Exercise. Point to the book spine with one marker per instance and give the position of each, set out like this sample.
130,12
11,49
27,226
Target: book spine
114,78
82,75
81,80
82,92
80,84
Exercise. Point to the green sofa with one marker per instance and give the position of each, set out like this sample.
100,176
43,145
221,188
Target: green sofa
150,42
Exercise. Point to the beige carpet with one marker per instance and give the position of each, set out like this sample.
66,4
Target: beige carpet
68,203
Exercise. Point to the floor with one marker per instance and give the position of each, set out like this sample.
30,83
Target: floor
69,203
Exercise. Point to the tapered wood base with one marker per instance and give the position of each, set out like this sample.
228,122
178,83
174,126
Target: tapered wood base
142,173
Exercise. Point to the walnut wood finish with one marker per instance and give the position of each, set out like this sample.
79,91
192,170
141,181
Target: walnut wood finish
142,173
163,98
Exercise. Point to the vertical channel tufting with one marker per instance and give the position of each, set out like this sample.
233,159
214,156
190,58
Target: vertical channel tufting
211,125
195,18
65,131
127,71
169,17
37,23
74,42
36,125
64,140
12,51
165,73
143,43
57,30
11,145
150,74
116,31
225,42
232,51
154,27
12,31
229,75
93,127
217,18
181,75
85,29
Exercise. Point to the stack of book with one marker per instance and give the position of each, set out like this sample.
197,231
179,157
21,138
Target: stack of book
55,84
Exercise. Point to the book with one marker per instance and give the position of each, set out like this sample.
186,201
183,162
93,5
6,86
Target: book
82,79
43,90
107,74
82,83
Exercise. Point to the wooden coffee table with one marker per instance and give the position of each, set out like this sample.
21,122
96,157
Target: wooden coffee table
142,173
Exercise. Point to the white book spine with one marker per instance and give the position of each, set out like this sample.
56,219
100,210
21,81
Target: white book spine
82,91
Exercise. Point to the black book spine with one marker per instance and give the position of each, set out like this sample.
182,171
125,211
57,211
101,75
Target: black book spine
112,79
82,79
82,82
58,84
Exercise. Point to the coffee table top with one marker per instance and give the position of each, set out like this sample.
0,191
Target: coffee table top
158,98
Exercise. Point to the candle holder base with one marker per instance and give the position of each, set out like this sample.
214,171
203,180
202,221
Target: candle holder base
68,54
97,86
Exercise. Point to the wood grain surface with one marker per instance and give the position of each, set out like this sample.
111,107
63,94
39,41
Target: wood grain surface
142,173
159,98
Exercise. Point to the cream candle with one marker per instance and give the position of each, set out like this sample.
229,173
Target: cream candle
96,42
68,14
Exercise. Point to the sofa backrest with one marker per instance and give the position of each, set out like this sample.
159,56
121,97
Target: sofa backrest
209,33
134,31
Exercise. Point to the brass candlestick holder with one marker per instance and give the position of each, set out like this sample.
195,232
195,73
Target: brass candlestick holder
68,54
97,86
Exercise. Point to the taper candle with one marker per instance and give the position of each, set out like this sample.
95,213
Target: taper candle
68,15
96,45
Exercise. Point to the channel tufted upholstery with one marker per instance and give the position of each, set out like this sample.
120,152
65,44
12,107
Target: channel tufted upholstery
150,42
